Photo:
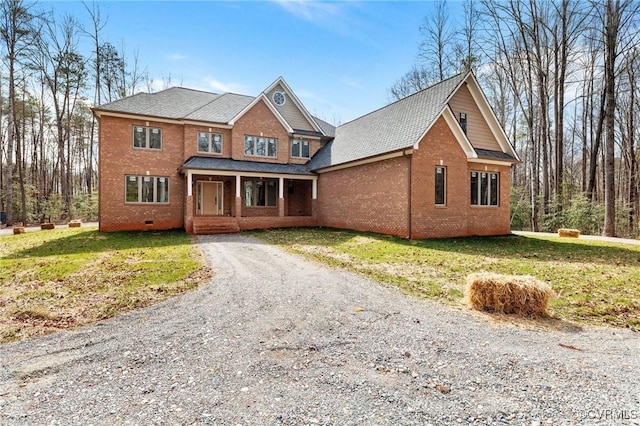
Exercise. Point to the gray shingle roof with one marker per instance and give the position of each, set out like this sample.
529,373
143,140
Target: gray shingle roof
485,153
328,129
181,103
228,164
393,127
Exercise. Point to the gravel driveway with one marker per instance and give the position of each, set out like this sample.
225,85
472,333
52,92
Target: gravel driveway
275,339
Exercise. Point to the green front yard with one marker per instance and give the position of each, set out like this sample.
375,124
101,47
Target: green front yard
63,278
595,282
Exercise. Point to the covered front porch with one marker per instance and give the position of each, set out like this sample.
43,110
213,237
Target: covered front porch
257,196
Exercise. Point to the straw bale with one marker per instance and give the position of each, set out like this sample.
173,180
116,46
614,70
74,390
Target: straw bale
47,226
18,229
568,233
75,224
510,294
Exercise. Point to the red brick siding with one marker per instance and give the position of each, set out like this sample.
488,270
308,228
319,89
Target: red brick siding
118,158
259,120
371,197
298,203
457,217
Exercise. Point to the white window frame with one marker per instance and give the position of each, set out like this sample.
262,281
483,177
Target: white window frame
147,138
255,140
301,143
210,140
493,182
140,180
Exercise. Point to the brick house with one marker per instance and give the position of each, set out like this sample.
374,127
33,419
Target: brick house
434,164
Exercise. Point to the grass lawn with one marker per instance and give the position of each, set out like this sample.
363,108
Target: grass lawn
595,282
64,278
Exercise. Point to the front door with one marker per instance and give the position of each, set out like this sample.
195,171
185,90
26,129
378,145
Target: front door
210,198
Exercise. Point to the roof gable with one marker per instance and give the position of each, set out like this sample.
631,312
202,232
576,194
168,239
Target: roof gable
397,126
404,123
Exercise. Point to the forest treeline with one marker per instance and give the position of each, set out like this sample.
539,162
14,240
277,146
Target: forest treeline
561,75
563,79
48,84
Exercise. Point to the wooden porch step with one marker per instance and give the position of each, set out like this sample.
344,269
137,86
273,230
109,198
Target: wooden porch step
216,226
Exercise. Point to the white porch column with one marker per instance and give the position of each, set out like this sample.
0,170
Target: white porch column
238,186
189,183
314,189
281,187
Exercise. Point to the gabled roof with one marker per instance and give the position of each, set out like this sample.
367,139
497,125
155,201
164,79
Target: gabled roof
179,103
394,127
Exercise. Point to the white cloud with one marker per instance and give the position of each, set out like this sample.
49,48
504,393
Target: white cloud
219,86
175,56
331,15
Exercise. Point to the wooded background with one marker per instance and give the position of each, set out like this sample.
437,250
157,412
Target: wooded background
562,77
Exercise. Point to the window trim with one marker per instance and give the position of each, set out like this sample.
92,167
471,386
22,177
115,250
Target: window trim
267,140
147,137
139,183
301,143
210,136
491,187
444,186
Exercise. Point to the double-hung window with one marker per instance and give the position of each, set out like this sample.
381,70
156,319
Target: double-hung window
260,146
485,188
261,193
210,142
147,137
147,189
441,186
300,148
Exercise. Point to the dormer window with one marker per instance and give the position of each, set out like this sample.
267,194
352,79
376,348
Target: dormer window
463,122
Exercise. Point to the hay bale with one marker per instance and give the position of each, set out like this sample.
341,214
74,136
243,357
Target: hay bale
18,230
568,233
510,294
75,224
47,225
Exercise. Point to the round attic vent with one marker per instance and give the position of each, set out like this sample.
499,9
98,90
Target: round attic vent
278,98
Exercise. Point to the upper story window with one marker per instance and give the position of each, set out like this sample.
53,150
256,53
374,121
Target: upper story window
260,146
463,122
485,188
147,189
210,142
147,137
441,186
300,148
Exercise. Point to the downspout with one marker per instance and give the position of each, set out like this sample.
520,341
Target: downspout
408,157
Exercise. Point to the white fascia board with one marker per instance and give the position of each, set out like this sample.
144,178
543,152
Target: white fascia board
210,172
400,153
458,133
494,162
142,117
489,116
262,97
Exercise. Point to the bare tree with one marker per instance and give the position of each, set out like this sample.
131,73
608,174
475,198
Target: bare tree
435,50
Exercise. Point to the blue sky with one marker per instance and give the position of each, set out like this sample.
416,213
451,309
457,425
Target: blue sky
340,58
